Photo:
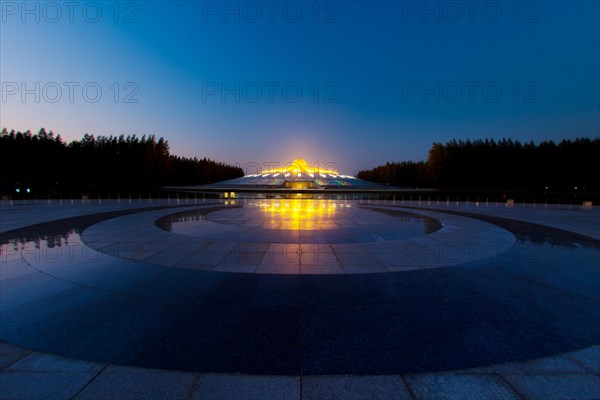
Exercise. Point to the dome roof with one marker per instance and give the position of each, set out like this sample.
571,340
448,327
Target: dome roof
297,175
297,178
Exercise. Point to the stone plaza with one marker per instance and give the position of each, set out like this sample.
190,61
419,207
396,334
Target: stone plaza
298,298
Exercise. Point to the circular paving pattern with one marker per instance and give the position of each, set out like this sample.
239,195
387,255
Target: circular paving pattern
302,221
253,238
217,294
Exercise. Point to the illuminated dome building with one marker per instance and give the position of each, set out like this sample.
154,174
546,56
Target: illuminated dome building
296,178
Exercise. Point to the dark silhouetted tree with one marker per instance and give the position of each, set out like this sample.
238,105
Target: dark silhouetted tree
498,165
44,160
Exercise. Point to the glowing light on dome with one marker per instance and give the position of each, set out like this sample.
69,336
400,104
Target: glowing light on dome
298,179
299,166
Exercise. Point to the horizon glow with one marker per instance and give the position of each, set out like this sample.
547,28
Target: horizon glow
354,84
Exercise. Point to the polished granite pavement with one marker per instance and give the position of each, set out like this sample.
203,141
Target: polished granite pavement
273,292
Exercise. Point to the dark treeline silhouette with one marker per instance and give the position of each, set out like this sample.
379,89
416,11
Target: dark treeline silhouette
498,165
403,174
44,161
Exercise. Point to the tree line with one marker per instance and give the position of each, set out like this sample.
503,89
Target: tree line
43,160
497,165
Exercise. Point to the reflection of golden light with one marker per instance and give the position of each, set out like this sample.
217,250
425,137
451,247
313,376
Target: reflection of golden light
301,214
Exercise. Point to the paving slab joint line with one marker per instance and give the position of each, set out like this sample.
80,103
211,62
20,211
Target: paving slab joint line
336,256
514,389
89,382
194,386
28,352
408,388
578,362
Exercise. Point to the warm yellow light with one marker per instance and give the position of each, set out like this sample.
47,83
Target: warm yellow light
298,166
301,214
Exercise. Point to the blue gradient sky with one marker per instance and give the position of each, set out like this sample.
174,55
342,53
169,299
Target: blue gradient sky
378,57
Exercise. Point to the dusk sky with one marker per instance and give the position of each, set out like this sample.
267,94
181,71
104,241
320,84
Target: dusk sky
350,82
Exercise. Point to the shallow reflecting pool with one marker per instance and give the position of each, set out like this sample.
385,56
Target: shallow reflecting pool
289,221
